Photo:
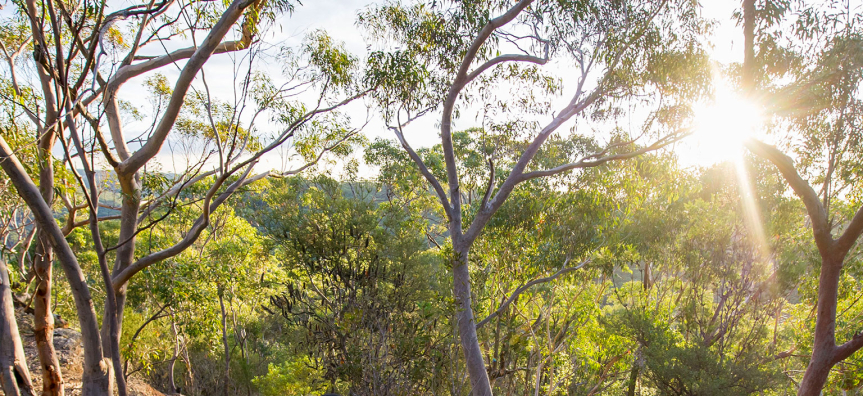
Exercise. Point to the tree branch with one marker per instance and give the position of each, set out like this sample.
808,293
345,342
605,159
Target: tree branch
528,285
490,187
852,232
817,213
192,235
458,84
599,158
44,217
100,219
196,61
507,58
425,171
847,349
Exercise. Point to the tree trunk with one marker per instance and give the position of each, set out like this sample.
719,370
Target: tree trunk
479,381
94,376
816,374
176,355
125,255
43,320
824,343
225,344
14,374
633,375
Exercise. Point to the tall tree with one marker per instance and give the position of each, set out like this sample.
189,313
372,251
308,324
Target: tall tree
83,55
822,106
452,53
16,234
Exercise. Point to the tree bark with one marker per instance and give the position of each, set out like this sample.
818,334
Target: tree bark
94,378
824,343
125,255
637,364
174,388
480,384
43,320
14,374
43,317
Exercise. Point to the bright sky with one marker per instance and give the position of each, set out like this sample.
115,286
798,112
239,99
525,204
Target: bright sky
339,21
338,18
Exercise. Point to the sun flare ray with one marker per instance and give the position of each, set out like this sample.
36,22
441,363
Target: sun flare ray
722,127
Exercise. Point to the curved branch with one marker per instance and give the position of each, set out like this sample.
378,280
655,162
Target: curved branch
507,58
425,171
196,61
817,213
461,79
847,349
851,234
192,235
599,158
490,187
130,71
528,285
87,221
75,276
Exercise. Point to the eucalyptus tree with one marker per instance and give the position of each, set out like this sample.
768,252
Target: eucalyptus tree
17,232
804,62
198,328
485,56
71,90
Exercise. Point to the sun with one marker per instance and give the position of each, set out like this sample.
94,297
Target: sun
723,124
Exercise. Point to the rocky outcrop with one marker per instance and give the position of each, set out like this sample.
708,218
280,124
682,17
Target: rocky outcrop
67,342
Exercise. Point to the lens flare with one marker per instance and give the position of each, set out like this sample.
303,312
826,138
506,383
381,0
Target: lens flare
723,124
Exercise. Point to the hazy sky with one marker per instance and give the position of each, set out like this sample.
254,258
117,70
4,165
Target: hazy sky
338,18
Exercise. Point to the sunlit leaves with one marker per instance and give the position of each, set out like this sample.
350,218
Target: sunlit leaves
359,282
299,377
332,60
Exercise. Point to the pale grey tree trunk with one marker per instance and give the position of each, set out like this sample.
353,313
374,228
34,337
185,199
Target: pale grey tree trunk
125,255
480,384
176,355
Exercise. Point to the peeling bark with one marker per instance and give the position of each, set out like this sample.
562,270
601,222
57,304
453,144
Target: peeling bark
43,322
43,317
